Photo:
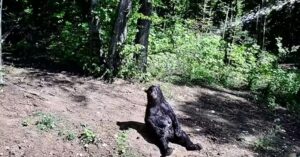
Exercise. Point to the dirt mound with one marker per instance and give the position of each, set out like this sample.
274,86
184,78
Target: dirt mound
57,114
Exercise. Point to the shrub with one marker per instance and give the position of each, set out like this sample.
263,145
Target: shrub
182,55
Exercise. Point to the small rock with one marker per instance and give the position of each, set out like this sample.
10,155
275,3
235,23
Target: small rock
6,148
212,111
1,154
104,144
197,129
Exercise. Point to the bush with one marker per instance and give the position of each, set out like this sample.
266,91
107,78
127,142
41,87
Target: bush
277,86
182,55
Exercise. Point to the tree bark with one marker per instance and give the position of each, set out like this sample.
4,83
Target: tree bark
119,36
95,42
142,36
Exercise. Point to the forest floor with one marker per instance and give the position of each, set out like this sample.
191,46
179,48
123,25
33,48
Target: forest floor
43,114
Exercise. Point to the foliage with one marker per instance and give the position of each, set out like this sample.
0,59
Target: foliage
187,42
277,86
129,68
45,122
122,145
88,136
182,55
70,136
270,141
67,134
283,52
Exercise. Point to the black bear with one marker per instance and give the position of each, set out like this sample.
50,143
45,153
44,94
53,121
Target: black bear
161,120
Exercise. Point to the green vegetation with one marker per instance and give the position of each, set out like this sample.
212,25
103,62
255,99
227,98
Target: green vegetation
42,121
67,134
87,136
70,136
211,42
46,122
270,141
122,145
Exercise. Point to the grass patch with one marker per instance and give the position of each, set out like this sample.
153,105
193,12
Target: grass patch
46,122
43,121
68,135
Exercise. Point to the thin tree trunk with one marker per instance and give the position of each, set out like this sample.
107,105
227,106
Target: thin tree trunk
257,22
119,36
225,23
264,32
290,44
264,27
143,34
204,9
94,30
1,64
225,35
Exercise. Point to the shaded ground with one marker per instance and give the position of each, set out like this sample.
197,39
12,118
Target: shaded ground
224,122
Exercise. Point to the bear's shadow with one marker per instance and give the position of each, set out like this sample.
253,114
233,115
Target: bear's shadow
140,128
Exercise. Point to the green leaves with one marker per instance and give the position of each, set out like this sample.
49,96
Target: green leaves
88,136
59,15
28,10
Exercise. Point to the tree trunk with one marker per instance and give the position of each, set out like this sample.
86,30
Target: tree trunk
225,22
263,27
95,42
1,64
119,36
142,36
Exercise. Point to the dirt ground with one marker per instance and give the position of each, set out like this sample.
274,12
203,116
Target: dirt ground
225,122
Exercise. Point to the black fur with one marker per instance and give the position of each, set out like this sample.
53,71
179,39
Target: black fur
161,120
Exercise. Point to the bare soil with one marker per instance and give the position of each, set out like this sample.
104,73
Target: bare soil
227,123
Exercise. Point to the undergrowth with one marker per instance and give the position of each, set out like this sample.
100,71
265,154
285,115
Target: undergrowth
47,122
123,149
183,56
